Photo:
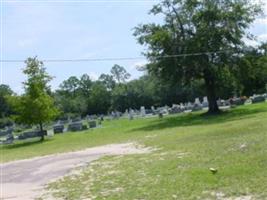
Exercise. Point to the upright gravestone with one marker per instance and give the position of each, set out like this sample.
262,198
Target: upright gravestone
92,124
182,107
58,128
197,105
153,110
131,113
143,111
205,102
76,126
166,108
258,98
189,106
197,102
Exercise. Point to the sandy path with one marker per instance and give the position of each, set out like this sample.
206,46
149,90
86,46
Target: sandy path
25,179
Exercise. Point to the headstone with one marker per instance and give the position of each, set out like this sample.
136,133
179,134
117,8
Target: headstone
8,140
205,102
258,98
197,105
189,106
237,101
219,103
58,128
227,103
197,101
6,132
175,109
7,136
154,111
92,124
31,134
131,114
76,126
182,107
143,111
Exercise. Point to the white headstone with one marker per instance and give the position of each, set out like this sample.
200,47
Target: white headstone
205,102
143,111
197,101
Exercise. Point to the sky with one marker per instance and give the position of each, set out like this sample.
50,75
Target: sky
68,29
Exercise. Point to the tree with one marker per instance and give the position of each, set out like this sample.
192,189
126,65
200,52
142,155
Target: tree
5,109
107,80
99,100
251,71
216,27
70,86
35,107
85,84
119,73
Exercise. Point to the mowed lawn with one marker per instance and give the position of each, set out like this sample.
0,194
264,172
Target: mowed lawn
186,147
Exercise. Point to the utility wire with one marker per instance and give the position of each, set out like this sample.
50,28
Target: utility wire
118,58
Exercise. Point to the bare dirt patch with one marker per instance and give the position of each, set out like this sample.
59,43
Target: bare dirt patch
29,176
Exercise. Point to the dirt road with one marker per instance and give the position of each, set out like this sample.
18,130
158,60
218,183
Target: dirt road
25,179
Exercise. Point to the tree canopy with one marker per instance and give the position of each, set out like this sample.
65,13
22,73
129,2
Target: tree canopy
209,33
36,106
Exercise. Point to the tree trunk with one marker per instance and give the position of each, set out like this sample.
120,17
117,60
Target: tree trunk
42,131
211,93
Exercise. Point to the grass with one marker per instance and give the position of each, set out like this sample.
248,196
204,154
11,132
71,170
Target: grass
234,142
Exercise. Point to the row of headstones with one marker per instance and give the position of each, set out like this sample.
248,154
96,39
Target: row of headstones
244,100
74,126
8,137
160,111
196,106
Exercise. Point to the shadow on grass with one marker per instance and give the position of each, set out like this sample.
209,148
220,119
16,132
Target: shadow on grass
192,119
29,142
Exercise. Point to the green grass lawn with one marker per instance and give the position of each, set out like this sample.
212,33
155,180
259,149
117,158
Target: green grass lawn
234,142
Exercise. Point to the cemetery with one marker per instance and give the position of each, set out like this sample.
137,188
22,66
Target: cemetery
245,126
90,122
160,100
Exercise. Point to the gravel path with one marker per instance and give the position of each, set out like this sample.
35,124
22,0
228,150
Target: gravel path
25,179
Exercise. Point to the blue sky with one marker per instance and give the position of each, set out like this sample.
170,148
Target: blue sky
76,29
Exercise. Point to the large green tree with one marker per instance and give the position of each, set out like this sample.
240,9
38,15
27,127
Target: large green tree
36,106
216,27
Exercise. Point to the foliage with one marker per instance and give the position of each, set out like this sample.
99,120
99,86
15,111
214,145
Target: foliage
251,72
5,109
99,99
119,73
108,81
35,107
191,27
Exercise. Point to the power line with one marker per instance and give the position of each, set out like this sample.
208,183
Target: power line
118,58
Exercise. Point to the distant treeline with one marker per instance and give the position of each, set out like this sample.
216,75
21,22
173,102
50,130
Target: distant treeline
83,96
